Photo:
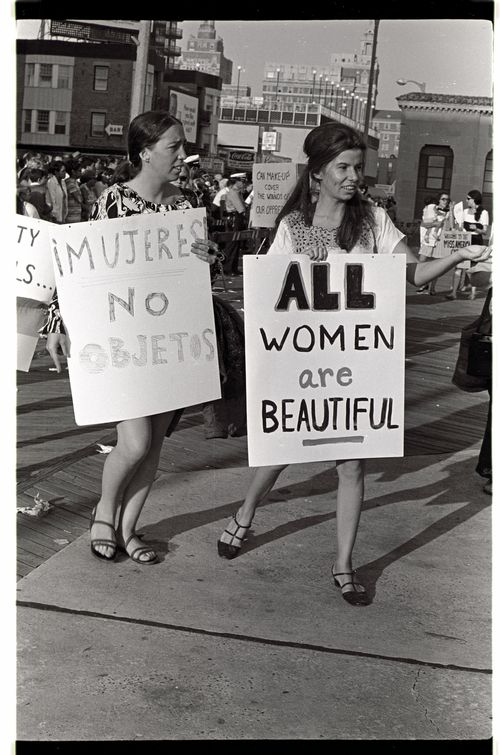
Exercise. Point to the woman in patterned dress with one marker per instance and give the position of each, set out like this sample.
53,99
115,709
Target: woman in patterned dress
156,150
339,222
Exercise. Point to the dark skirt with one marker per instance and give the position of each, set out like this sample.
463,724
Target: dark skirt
230,334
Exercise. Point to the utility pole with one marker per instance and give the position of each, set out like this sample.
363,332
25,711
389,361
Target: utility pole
141,68
370,82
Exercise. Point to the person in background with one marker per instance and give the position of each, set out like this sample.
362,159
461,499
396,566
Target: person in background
435,217
475,220
219,200
184,184
39,196
236,213
75,198
23,196
481,277
56,190
156,150
89,194
339,222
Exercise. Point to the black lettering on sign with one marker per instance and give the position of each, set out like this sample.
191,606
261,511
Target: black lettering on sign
293,289
355,298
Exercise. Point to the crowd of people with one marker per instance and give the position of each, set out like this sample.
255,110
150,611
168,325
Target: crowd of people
326,212
64,188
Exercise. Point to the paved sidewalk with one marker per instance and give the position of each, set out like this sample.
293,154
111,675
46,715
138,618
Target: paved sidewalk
264,646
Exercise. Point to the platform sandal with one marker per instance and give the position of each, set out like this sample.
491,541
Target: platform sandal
229,550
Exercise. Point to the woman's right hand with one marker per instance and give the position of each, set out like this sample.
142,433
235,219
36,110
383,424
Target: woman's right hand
317,253
54,342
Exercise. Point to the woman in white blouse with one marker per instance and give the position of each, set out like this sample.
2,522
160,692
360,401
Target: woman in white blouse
339,222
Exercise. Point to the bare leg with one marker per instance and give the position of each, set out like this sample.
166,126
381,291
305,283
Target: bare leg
350,496
133,440
137,490
261,485
455,283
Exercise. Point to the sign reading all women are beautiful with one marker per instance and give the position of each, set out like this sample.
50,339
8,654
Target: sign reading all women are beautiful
325,357
137,306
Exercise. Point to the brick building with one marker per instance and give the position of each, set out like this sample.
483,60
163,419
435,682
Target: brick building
76,95
446,144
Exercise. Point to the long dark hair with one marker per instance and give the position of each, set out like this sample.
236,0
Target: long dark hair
478,199
322,145
145,130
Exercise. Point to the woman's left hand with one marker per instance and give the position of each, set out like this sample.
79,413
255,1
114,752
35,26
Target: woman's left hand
476,252
205,249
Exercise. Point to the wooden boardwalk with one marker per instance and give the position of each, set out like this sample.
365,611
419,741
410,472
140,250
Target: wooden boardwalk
60,461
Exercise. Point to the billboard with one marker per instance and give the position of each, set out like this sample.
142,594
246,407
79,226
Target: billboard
185,108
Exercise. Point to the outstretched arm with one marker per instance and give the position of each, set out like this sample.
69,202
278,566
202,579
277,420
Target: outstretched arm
419,273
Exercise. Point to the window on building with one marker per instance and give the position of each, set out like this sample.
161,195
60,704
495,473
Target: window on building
42,120
29,78
97,123
63,76
101,78
434,174
45,75
488,174
27,121
60,122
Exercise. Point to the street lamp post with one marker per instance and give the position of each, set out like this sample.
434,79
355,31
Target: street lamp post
277,84
326,91
320,85
314,81
420,84
238,86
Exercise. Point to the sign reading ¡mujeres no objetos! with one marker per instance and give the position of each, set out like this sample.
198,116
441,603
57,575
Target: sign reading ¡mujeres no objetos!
137,306
324,357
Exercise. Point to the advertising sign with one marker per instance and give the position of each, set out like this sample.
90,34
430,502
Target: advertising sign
137,307
325,346
185,108
272,184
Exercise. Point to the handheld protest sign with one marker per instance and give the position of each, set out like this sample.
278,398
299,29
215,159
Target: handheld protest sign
30,317
34,271
272,184
137,306
324,357
35,284
450,241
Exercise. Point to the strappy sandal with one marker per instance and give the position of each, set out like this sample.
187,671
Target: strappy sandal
135,555
353,597
228,550
102,541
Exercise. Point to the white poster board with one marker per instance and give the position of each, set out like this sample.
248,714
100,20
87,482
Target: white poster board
30,318
450,241
324,357
34,271
137,306
272,185
185,108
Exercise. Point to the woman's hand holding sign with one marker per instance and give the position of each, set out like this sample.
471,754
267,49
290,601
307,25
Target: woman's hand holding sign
205,249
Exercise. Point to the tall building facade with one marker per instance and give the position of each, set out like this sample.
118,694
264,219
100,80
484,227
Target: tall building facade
337,84
77,95
205,53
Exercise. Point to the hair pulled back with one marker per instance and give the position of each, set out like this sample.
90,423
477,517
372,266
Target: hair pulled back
322,145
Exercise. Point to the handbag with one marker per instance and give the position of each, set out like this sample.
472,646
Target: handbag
473,367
